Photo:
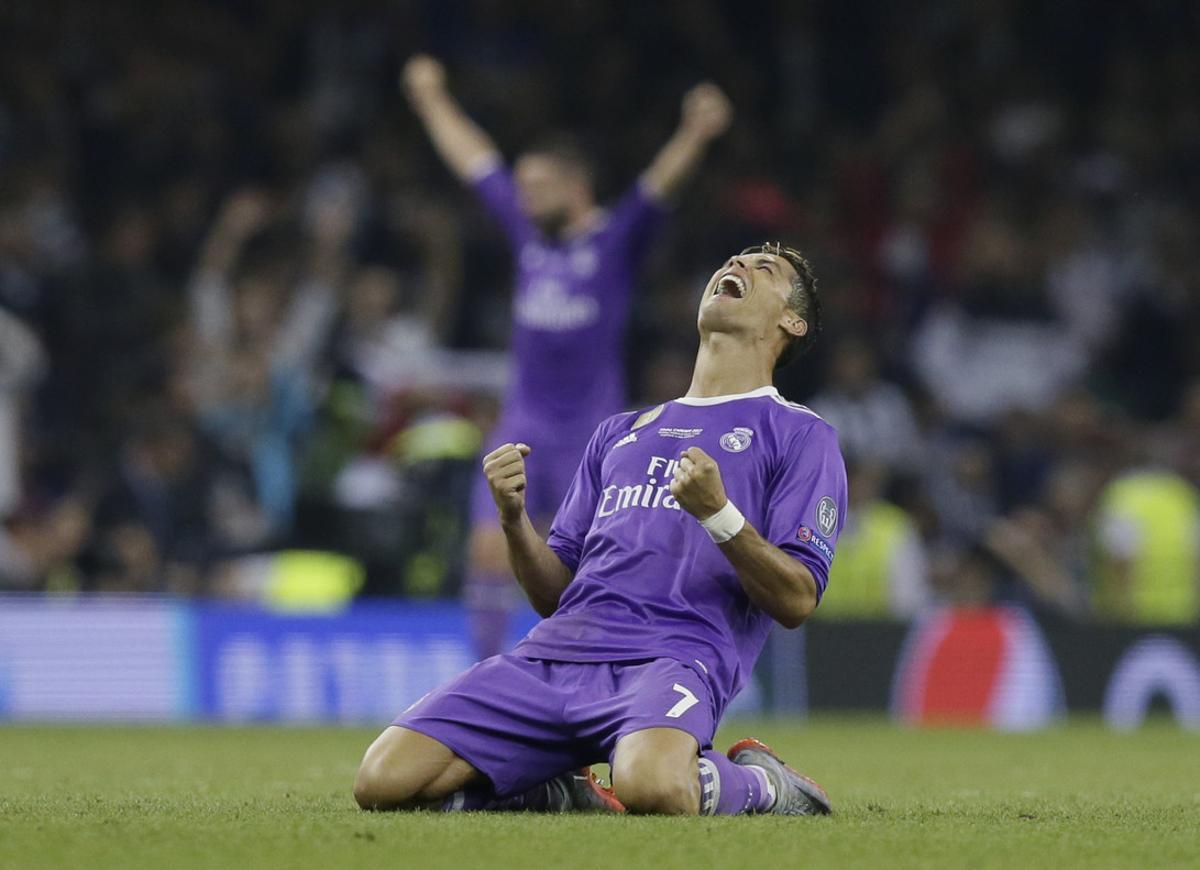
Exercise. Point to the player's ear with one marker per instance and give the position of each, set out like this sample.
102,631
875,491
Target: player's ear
793,324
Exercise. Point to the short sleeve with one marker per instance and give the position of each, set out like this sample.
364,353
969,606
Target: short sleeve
634,221
806,501
496,190
574,518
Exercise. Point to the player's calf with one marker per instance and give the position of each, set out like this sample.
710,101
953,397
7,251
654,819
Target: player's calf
660,771
672,796
655,772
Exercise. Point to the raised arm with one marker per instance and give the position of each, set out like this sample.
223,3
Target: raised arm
245,213
1013,541
331,218
464,147
706,114
540,572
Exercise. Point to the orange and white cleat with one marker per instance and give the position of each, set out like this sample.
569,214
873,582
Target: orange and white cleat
795,793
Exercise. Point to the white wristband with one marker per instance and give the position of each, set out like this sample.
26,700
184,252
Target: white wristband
724,524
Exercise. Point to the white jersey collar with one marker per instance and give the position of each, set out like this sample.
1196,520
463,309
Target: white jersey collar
717,400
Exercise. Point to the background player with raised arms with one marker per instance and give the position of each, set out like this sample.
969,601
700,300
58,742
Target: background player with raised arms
575,271
687,530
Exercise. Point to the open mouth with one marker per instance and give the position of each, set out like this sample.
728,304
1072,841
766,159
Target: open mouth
730,285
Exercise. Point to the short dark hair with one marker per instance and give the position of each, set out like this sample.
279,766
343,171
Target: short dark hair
567,149
803,299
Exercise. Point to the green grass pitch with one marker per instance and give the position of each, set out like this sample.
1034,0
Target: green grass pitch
250,798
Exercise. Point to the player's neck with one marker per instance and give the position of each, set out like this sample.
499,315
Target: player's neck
725,366
580,221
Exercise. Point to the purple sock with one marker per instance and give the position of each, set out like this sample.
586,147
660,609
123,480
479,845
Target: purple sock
728,789
489,600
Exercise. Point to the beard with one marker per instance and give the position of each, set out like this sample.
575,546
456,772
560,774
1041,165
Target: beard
552,223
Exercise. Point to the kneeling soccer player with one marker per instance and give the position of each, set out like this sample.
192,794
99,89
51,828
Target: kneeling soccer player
687,530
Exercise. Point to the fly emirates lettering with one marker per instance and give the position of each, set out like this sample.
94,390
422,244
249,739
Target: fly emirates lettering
651,494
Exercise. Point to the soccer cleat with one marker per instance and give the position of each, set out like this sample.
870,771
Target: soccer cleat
586,794
795,793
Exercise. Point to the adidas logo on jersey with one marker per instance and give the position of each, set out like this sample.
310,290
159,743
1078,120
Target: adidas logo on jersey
628,439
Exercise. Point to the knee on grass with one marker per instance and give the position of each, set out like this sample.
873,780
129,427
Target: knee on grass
384,784
374,789
404,769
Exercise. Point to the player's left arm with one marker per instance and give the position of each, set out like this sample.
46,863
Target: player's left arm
781,580
706,115
778,584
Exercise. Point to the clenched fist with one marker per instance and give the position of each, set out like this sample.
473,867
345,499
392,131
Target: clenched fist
697,484
707,112
504,469
423,76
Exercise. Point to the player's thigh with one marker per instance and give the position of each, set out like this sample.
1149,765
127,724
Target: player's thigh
405,768
661,693
655,771
505,717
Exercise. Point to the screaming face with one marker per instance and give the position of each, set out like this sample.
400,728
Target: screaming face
751,295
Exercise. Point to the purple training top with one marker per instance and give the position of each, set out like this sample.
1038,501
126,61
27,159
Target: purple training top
649,582
570,306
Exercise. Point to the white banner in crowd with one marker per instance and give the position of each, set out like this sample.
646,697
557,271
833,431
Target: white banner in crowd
93,659
106,659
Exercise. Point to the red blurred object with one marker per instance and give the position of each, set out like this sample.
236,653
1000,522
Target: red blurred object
980,667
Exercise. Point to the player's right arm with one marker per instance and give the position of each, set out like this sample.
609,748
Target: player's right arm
538,568
460,142
707,114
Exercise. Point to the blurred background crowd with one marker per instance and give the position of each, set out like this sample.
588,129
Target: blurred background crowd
249,324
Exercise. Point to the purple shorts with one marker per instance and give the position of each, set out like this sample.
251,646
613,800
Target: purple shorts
522,721
550,468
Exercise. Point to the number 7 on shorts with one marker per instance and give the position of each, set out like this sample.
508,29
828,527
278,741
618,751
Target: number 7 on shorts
687,702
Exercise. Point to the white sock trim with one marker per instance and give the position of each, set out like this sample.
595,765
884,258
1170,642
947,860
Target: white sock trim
710,787
767,786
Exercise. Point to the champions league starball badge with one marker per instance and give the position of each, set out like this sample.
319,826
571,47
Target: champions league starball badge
737,440
827,513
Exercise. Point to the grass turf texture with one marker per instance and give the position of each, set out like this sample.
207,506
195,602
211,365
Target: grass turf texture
1079,796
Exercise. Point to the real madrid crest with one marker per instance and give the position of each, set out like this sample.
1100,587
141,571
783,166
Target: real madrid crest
737,440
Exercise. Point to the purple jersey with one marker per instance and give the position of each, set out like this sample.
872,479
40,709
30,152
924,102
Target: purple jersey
570,307
649,582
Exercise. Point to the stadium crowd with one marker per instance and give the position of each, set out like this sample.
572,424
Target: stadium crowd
245,311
